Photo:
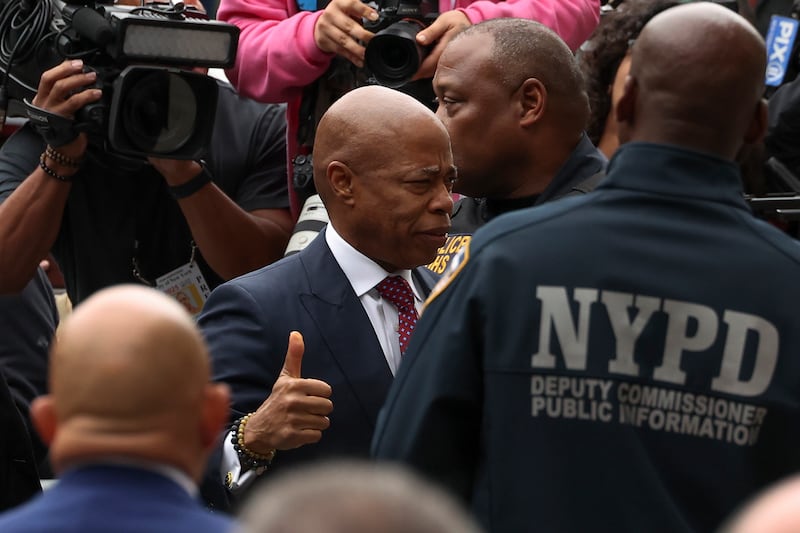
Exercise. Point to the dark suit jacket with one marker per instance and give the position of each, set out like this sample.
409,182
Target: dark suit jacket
113,498
247,323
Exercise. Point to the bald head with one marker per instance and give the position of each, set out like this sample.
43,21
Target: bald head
353,497
362,130
699,75
128,372
384,169
123,352
776,510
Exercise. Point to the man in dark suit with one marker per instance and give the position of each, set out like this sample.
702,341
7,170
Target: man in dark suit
130,419
384,170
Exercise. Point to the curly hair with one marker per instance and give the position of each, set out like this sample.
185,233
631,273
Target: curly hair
604,51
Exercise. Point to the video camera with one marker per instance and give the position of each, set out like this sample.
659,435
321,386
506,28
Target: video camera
150,106
393,55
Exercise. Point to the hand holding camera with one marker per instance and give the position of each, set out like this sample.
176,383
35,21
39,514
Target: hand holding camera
142,103
444,28
176,172
400,40
339,30
405,32
63,91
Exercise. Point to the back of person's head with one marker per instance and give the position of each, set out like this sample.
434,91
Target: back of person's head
696,80
512,97
129,377
774,510
604,51
524,49
384,170
352,497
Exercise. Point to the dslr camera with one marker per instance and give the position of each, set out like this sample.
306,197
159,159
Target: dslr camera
393,55
152,105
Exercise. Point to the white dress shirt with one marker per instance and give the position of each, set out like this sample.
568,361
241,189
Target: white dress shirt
364,274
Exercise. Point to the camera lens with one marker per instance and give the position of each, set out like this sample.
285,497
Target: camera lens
159,112
162,112
393,55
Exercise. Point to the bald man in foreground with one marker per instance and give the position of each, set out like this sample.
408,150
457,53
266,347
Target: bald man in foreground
774,510
638,369
384,170
130,420
353,496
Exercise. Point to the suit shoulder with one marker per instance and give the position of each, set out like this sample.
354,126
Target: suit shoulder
274,276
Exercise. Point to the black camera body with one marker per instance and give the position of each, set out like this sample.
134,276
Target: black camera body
393,55
152,105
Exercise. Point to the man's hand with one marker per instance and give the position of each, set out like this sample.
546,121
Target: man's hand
61,92
444,28
61,89
339,30
295,413
176,171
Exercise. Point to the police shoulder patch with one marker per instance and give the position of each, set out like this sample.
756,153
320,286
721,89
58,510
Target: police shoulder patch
453,268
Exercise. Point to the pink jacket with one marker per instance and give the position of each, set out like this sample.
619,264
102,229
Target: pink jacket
278,57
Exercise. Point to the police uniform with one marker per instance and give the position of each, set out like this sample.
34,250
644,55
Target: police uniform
622,361
579,174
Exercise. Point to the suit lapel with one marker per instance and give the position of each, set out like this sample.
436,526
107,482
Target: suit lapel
345,328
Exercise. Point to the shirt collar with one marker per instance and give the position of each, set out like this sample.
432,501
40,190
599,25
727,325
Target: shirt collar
362,272
584,161
674,170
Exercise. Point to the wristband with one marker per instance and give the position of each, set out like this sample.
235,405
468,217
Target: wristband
187,189
54,129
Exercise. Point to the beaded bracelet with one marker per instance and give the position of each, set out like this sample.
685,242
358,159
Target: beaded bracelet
50,172
60,158
247,458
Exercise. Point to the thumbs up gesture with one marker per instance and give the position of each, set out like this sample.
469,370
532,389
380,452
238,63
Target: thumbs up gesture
296,413
293,363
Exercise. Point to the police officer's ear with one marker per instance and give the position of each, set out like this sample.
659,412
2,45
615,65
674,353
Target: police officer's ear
758,124
626,108
340,177
532,101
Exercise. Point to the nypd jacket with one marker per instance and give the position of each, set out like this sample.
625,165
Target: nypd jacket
622,361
